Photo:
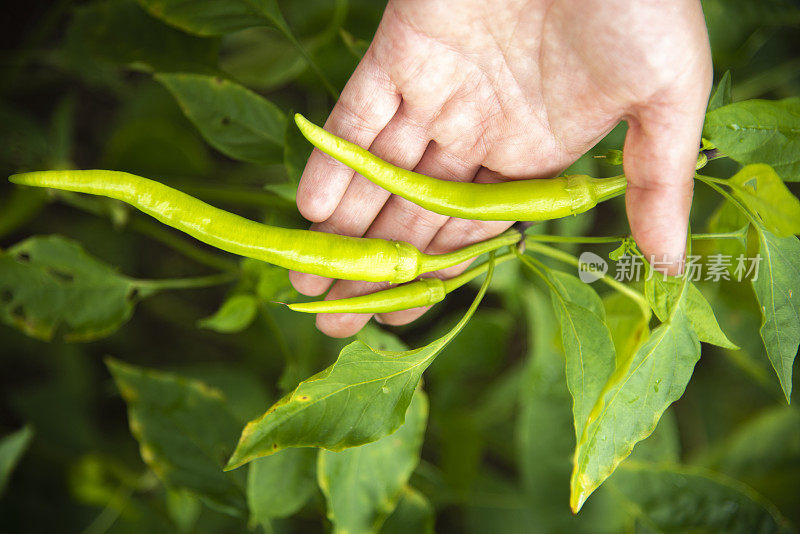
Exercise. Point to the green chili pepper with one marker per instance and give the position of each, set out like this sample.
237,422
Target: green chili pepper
516,200
425,292
330,255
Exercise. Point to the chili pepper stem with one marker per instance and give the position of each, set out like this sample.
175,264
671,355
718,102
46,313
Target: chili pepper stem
608,188
442,261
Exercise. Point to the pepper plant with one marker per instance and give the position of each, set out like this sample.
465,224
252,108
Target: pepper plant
150,382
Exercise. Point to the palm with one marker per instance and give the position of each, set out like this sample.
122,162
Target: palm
478,91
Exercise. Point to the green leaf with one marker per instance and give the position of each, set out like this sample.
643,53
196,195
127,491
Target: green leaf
778,291
362,485
185,431
366,390
586,341
663,294
759,131
216,17
12,447
121,32
633,401
628,322
234,120
684,499
764,192
414,513
279,485
722,94
48,284
235,314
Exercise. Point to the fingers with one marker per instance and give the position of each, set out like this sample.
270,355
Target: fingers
455,234
399,220
367,104
659,160
402,142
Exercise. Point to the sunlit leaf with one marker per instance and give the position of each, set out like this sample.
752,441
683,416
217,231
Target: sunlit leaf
777,288
628,323
362,485
359,399
765,193
663,294
185,431
633,401
234,120
759,131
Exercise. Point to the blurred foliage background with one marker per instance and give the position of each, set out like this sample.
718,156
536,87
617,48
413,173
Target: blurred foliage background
77,91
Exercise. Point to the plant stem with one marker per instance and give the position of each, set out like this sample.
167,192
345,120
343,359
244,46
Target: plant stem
575,239
572,260
712,183
720,235
188,283
458,281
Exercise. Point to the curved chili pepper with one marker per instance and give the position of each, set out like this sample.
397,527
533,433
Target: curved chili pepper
515,200
330,255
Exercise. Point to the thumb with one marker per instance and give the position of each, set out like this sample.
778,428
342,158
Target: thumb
659,160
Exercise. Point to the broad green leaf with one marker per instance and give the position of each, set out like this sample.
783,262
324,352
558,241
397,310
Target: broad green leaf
362,485
234,120
216,17
759,131
377,338
633,401
414,513
586,341
663,294
12,447
279,485
235,314
628,322
185,431
362,397
48,284
778,291
722,94
765,193
121,32
685,499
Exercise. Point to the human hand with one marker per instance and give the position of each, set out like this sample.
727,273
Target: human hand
480,91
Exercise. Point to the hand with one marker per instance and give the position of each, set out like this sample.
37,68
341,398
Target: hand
488,91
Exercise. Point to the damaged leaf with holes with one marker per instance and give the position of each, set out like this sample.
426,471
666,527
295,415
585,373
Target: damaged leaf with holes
51,288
